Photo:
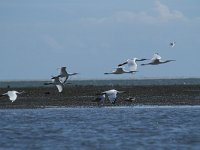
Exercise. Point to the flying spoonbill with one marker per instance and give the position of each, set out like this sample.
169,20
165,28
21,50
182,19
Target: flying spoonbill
12,95
64,75
112,95
119,70
132,63
156,60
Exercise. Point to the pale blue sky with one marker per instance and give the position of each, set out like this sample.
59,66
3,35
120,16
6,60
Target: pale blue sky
92,37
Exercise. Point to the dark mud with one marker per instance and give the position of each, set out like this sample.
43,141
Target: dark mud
78,96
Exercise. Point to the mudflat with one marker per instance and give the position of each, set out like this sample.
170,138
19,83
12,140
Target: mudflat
84,95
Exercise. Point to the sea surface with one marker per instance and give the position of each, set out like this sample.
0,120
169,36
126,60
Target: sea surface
101,128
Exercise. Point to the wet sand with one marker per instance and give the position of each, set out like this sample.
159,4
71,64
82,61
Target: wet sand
78,96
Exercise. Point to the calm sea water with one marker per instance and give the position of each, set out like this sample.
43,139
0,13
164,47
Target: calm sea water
139,127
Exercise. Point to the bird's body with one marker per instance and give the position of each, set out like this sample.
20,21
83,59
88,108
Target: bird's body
12,95
112,95
119,70
64,75
132,63
156,60
56,81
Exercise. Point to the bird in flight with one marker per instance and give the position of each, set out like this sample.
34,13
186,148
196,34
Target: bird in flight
64,75
132,63
156,60
112,95
12,95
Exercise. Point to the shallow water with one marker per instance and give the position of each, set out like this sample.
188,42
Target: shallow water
139,127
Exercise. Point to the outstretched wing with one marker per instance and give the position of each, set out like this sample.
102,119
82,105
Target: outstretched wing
60,87
63,79
118,70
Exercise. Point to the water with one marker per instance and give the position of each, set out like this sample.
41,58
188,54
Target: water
139,127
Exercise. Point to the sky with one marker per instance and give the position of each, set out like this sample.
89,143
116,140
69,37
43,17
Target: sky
92,37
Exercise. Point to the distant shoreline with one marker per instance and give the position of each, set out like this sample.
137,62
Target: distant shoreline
107,82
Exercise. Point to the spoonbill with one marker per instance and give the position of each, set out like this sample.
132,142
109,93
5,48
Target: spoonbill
12,95
172,44
119,70
156,60
64,75
112,95
56,81
132,63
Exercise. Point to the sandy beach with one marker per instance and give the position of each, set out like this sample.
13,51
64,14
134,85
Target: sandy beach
78,96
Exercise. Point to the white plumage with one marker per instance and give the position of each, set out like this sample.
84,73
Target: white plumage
132,63
12,95
156,60
58,83
112,95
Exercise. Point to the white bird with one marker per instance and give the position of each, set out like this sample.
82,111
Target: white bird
172,44
132,63
12,95
156,60
112,95
64,75
119,70
56,81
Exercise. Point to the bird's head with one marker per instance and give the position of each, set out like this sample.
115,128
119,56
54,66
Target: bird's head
121,92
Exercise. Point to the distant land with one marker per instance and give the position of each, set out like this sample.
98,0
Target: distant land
99,82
